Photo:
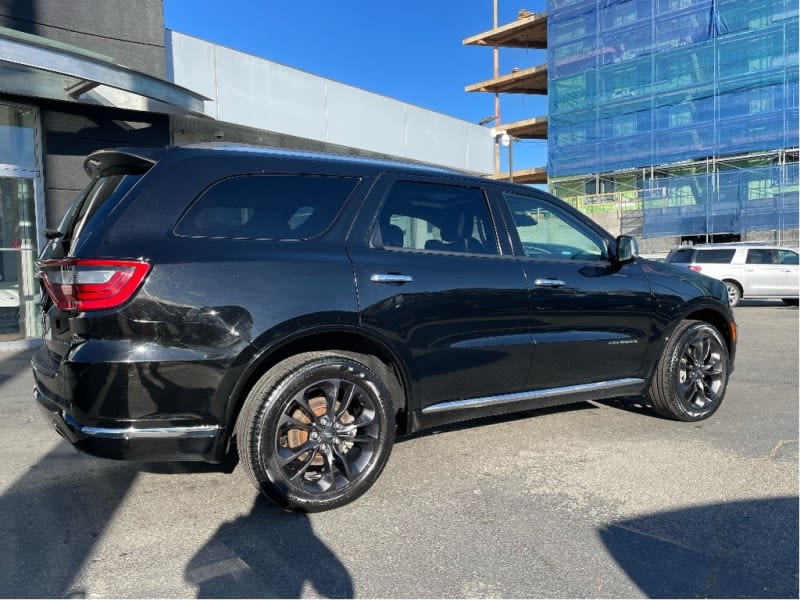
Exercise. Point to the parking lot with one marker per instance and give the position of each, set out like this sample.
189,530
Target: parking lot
593,500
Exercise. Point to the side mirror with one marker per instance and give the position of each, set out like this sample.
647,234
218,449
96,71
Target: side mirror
626,249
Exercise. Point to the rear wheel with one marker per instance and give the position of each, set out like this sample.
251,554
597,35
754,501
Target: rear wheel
316,431
734,292
692,375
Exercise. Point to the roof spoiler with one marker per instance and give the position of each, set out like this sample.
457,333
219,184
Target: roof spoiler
114,159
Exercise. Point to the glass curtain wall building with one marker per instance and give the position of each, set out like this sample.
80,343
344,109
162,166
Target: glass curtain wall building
679,115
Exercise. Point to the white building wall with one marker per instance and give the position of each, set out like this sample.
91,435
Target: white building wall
256,93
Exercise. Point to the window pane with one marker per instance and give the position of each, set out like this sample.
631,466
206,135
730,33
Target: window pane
278,207
760,257
436,217
682,256
547,231
715,256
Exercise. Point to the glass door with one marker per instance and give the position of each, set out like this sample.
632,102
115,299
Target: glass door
20,198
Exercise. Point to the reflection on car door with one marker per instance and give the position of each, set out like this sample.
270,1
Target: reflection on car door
590,319
433,284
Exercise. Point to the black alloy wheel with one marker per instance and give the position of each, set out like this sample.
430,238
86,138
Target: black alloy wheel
316,431
692,375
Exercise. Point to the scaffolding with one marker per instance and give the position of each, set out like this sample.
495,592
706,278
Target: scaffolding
683,110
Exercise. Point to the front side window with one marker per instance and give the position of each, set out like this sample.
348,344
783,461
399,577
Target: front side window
548,231
788,257
435,217
275,207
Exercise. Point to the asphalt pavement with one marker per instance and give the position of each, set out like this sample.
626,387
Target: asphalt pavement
593,500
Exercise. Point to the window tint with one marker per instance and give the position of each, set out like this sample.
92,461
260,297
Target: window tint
547,231
760,257
788,257
278,207
681,256
432,216
715,256
98,198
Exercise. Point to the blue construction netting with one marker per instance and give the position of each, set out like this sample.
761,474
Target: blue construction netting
732,200
634,83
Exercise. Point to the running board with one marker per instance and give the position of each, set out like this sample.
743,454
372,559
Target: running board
601,388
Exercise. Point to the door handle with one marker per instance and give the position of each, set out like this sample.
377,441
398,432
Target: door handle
548,282
395,278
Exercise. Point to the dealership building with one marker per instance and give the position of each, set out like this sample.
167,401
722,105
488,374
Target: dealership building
88,74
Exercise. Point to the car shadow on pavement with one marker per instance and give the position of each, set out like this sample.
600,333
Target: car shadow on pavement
745,549
269,553
51,519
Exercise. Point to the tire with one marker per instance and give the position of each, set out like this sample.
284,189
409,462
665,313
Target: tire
316,431
790,301
692,375
734,292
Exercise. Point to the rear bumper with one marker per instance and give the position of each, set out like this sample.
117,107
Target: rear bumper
172,443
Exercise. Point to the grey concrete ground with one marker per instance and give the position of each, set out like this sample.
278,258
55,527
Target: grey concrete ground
598,500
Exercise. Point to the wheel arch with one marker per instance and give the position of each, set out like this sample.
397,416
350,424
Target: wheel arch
736,282
726,327
356,344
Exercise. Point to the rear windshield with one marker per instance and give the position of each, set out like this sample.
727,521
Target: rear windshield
683,255
94,203
275,207
723,256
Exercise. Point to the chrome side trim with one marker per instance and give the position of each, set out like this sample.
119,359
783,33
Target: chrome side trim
534,395
195,431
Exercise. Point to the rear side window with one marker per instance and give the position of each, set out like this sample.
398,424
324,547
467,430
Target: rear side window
275,207
724,256
681,256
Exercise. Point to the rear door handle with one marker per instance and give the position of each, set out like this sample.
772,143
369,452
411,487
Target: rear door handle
549,282
395,278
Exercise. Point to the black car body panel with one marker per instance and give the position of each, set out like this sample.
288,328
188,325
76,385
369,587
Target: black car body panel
465,333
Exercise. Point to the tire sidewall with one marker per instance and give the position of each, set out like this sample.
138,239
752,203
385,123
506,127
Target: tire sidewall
266,467
674,370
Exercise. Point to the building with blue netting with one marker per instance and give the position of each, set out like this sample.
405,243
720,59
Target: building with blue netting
676,120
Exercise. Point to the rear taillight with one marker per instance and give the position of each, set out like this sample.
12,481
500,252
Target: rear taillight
92,284
695,268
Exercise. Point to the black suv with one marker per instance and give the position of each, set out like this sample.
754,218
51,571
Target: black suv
301,309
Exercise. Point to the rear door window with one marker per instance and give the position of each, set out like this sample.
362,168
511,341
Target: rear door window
436,217
275,207
760,257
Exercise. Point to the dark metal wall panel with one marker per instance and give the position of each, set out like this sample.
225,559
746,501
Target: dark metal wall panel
72,132
130,32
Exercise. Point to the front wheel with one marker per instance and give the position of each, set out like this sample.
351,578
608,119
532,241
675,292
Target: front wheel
316,431
692,374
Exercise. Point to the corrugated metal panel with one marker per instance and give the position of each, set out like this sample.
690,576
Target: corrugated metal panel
252,92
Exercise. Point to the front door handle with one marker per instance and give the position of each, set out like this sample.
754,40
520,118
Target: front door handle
549,282
395,278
